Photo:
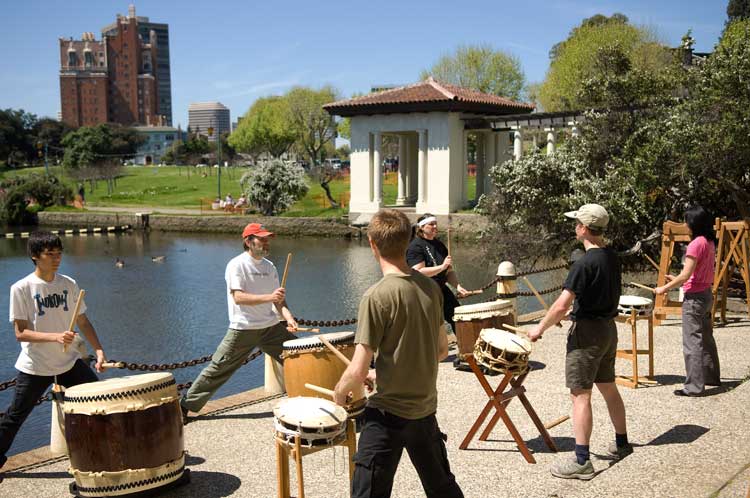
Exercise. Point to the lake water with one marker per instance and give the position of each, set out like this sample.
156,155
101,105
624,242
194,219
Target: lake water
176,310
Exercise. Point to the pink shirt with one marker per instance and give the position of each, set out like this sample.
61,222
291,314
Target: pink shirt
704,253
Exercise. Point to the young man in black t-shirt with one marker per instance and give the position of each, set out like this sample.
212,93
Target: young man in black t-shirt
593,288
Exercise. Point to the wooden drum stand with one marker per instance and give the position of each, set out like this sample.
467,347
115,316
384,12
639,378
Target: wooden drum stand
632,353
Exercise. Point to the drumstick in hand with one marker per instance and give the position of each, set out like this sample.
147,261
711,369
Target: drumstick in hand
335,351
449,241
327,392
539,297
307,329
286,270
75,315
643,286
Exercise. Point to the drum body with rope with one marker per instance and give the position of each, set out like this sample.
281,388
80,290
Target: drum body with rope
502,351
317,422
124,435
472,318
643,306
308,360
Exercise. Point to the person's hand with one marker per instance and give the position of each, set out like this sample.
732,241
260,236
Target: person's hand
461,291
447,262
661,290
535,334
341,398
669,277
370,380
278,295
100,359
292,325
65,338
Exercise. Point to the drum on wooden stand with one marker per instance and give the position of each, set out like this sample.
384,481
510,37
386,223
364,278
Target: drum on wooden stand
472,318
502,351
308,360
317,422
124,435
643,306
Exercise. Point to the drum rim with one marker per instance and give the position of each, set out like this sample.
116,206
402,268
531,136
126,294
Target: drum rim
482,307
639,302
333,408
117,395
343,338
521,342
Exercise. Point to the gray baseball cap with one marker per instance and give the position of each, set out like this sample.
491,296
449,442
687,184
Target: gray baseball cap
591,215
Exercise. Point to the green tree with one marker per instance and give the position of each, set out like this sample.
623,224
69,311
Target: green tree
574,59
50,132
266,127
738,9
16,136
15,194
274,186
482,68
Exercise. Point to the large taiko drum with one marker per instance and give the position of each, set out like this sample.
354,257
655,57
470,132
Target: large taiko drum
124,435
308,360
317,422
642,306
502,351
472,318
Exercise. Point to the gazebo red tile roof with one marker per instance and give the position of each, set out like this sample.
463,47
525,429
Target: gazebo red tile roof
426,96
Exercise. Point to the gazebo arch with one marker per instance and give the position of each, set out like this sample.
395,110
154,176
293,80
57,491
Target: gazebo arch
429,120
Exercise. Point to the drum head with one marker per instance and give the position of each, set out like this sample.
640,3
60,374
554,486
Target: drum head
119,384
310,413
121,394
482,310
506,341
635,302
314,342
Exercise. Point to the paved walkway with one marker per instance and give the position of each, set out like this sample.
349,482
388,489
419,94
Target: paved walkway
684,447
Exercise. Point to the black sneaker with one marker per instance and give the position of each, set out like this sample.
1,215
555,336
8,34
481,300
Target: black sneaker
185,417
3,459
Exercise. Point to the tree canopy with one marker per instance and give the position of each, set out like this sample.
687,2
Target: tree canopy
482,68
266,127
312,125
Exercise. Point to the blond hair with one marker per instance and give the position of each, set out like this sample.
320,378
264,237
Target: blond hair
390,231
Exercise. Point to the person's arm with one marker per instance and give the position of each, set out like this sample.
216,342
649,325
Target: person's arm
26,334
453,280
84,325
245,298
355,374
556,312
291,323
442,344
687,271
431,271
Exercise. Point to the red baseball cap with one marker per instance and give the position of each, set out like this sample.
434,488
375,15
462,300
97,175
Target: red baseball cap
257,230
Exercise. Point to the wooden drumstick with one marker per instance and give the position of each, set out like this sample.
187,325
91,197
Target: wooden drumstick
286,270
556,422
113,364
644,287
539,297
75,315
327,392
335,351
307,329
514,329
653,263
449,241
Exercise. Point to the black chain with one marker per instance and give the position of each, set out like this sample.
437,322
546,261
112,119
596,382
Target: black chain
326,323
7,384
561,266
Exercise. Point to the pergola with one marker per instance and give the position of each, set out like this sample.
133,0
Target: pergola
431,121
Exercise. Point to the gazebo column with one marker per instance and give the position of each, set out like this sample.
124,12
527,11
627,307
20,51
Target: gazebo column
411,174
550,140
377,170
465,167
402,171
517,144
481,140
422,171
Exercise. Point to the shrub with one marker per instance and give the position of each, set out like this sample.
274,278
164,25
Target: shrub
274,186
45,189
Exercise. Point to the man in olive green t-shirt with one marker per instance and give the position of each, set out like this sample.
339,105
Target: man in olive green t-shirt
399,322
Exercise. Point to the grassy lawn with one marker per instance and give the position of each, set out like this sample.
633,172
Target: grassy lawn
170,186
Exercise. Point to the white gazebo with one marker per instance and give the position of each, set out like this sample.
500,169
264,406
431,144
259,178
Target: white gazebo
429,121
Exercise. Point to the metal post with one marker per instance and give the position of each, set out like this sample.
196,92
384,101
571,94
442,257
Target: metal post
218,136
46,162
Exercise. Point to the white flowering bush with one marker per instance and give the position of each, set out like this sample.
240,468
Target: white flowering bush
274,186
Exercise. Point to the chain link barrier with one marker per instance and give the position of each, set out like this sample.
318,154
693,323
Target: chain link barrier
326,323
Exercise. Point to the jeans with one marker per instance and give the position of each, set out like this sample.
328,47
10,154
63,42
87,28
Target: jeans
381,443
29,388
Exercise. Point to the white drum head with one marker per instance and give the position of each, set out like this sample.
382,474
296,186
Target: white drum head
468,312
119,384
635,302
505,341
121,394
310,413
314,342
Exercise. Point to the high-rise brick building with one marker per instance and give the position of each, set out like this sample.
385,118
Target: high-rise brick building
111,80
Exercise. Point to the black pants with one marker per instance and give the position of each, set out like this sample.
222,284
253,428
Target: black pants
381,443
450,303
30,388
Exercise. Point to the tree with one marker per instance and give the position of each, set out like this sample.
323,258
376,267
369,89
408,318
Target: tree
266,127
313,126
574,59
16,142
50,132
595,20
737,10
481,68
274,186
15,194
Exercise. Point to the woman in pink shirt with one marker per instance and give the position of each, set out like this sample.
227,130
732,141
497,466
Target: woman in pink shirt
697,275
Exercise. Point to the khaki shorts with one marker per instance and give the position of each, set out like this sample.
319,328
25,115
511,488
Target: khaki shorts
591,349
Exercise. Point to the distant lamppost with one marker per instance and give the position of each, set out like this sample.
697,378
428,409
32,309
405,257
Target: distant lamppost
39,146
218,138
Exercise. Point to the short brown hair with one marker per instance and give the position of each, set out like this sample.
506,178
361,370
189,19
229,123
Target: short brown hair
390,231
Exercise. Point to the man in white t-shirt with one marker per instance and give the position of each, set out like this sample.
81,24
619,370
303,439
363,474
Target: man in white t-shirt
41,308
255,301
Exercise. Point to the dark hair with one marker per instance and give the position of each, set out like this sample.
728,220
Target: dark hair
418,229
40,241
247,241
700,222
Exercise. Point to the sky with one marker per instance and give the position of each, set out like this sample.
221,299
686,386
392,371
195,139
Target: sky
235,51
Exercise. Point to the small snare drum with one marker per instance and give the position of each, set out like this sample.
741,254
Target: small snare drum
308,360
502,351
643,306
317,422
472,318
124,435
